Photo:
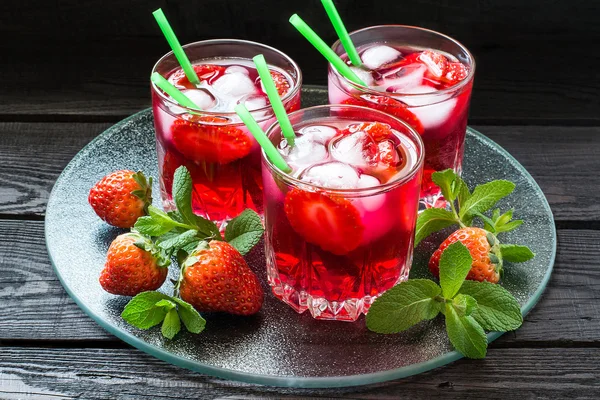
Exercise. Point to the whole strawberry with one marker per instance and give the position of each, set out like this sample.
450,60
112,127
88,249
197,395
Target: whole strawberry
121,197
133,265
215,277
485,251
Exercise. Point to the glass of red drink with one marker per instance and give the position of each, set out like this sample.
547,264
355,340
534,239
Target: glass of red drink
339,227
212,142
420,76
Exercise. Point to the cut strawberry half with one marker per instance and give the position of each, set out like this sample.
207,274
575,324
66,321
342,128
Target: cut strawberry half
205,72
281,83
388,105
377,130
455,73
436,63
329,222
202,142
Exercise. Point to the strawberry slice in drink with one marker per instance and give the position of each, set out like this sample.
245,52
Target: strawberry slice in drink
205,72
281,83
329,222
202,140
387,105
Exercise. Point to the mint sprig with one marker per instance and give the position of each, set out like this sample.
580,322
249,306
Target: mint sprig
149,309
468,307
244,231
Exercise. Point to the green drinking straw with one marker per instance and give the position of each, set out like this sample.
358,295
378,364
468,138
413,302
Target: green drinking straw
276,103
166,29
322,47
342,33
172,91
261,138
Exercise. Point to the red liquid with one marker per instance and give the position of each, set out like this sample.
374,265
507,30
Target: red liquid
417,87
334,253
221,155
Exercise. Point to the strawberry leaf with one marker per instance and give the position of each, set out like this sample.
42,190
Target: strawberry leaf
455,264
403,306
465,334
509,226
484,197
433,220
497,309
244,231
516,253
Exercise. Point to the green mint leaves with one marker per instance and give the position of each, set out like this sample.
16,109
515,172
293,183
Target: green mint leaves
469,307
244,231
464,205
149,309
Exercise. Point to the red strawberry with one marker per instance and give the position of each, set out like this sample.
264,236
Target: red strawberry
455,73
204,140
388,155
330,222
487,261
121,197
388,105
205,72
217,278
133,265
436,63
377,130
281,82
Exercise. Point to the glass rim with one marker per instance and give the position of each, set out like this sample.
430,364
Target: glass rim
356,192
451,89
289,95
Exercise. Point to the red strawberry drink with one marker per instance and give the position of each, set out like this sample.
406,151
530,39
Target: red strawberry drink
215,146
340,225
419,76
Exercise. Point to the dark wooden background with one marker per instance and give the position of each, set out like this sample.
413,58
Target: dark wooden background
69,69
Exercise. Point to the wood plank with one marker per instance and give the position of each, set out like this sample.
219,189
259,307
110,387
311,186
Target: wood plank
128,373
567,313
36,153
103,58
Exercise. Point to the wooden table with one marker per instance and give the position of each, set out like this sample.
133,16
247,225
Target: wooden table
71,70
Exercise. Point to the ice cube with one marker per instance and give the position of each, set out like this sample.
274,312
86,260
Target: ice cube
304,152
234,84
319,133
332,175
201,97
377,56
405,78
358,149
365,76
236,69
434,115
372,202
254,101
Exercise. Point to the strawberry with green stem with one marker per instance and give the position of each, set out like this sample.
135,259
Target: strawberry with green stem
469,308
487,252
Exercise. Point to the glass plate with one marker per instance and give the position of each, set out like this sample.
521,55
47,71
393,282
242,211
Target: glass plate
278,347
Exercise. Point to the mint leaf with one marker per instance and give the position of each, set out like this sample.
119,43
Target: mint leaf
182,194
142,312
465,334
497,309
171,325
485,196
433,220
462,190
173,243
403,306
244,231
509,226
190,317
445,180
455,264
516,253
504,218
149,226
464,304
